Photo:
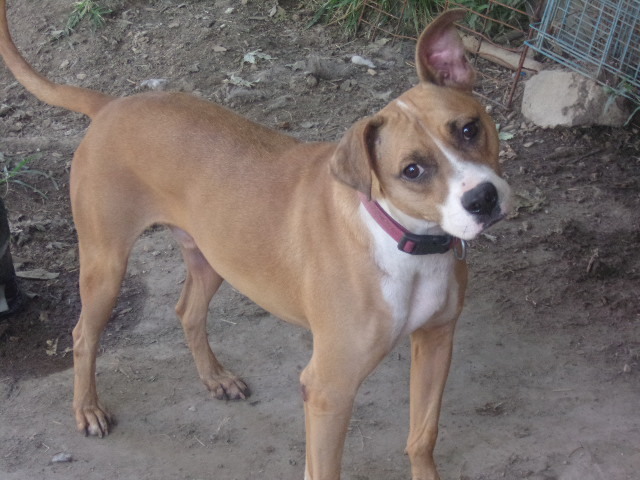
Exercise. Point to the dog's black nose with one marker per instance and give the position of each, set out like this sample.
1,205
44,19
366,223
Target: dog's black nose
481,200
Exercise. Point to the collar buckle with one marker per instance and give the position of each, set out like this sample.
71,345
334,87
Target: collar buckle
425,244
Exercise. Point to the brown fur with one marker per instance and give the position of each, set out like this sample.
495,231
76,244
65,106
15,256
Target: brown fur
278,219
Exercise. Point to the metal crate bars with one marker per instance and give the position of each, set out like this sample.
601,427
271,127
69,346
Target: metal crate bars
600,39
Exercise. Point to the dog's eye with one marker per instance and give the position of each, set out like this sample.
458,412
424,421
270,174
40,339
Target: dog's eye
470,130
412,171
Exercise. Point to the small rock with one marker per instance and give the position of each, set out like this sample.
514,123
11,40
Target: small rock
626,368
299,65
81,76
64,64
358,60
20,115
298,83
62,458
154,83
70,257
326,68
491,238
37,274
348,85
381,42
278,103
16,127
173,25
383,96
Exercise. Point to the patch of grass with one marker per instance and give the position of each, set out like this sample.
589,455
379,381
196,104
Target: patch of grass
90,9
498,12
413,17
624,89
19,172
344,12
416,14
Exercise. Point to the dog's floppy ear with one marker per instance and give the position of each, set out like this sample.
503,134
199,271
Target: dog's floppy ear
440,55
353,161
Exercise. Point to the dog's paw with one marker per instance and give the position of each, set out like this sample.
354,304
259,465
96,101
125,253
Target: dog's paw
228,387
93,421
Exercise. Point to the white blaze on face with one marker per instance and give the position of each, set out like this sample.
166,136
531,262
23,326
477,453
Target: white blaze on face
466,176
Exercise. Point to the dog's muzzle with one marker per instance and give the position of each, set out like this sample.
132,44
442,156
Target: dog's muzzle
483,203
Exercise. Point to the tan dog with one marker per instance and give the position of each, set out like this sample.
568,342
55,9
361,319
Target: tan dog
313,232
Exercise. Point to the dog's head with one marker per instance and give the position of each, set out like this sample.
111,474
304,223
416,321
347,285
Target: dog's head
430,157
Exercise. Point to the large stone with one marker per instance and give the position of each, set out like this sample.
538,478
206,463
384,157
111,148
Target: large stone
560,98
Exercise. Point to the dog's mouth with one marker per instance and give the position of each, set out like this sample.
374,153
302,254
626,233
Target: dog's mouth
492,221
480,224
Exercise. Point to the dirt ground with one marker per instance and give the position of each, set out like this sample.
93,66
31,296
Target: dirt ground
545,382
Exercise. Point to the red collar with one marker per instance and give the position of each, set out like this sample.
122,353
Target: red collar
410,242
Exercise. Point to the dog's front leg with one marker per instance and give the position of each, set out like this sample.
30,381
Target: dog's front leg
327,416
430,360
329,385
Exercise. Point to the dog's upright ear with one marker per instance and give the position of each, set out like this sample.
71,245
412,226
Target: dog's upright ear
353,162
440,57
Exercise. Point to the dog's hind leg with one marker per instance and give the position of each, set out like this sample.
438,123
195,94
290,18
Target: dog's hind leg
103,264
107,227
201,283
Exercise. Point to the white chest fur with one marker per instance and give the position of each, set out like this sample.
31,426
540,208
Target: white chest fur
415,287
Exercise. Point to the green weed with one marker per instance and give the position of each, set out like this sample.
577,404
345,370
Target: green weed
347,13
500,13
19,172
86,9
412,17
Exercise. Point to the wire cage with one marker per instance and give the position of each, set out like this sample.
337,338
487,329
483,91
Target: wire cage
598,38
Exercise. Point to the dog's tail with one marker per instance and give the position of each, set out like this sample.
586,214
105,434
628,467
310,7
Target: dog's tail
73,98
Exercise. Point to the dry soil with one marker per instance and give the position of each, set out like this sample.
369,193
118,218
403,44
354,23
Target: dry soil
545,382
